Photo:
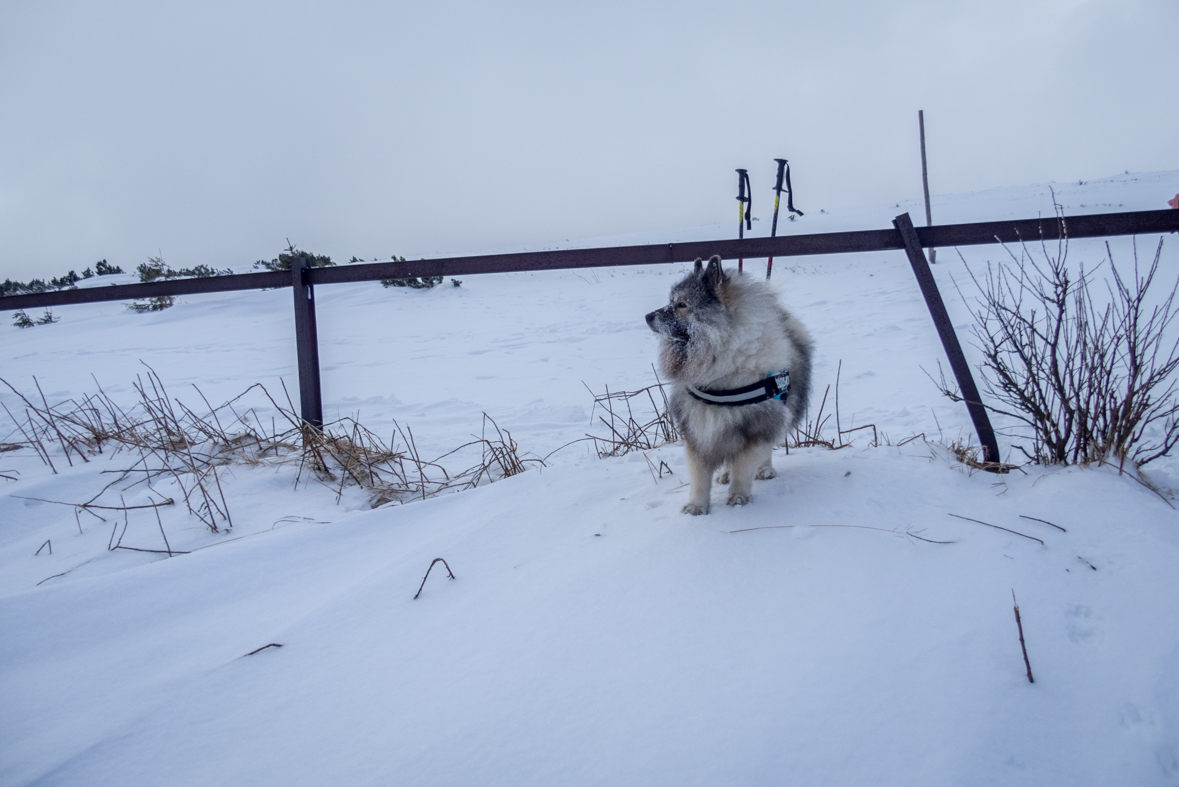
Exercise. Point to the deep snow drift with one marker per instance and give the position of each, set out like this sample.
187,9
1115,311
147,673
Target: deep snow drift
593,635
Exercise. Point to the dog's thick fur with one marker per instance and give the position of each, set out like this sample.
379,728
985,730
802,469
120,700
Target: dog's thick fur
723,330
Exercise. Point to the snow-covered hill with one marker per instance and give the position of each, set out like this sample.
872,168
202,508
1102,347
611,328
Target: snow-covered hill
593,634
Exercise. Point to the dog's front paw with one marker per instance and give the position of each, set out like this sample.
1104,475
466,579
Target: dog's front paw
738,500
694,510
722,477
766,473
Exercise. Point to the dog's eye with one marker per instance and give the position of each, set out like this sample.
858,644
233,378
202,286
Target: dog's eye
681,305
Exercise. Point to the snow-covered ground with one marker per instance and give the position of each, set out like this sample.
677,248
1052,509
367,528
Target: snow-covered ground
594,635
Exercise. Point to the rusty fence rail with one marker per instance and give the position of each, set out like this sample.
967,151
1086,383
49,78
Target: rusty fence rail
902,237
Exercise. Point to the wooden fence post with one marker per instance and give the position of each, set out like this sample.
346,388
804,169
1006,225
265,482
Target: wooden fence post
945,330
306,345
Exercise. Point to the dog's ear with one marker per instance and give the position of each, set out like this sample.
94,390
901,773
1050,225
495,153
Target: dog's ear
715,276
699,267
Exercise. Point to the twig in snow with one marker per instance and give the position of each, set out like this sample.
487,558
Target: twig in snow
88,506
1022,645
151,551
1045,521
1136,478
1086,562
436,560
875,436
35,444
662,466
160,522
854,527
1005,530
55,576
46,544
126,521
264,647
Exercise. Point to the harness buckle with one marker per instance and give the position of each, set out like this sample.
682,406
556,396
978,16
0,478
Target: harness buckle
781,382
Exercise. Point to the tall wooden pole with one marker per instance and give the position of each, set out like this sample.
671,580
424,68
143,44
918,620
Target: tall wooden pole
306,345
925,182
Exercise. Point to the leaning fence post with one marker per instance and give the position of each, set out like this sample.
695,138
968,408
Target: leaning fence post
945,330
306,345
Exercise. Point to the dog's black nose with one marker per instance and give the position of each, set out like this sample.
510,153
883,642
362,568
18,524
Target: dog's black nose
651,319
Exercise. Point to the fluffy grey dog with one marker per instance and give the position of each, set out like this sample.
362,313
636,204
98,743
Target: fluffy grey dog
740,367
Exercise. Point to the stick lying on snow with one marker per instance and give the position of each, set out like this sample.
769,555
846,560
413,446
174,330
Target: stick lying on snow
856,527
1022,646
1005,530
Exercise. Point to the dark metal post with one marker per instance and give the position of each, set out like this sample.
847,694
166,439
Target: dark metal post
925,182
306,345
941,320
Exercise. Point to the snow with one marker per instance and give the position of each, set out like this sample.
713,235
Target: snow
593,634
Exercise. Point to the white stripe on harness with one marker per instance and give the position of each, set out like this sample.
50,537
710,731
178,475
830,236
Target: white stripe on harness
775,386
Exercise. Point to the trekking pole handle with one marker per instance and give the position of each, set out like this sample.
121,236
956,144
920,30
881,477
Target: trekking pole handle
781,171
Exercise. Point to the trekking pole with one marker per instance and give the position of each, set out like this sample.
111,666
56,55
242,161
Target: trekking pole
744,217
783,169
774,224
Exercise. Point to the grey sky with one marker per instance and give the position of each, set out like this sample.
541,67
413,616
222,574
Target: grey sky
213,131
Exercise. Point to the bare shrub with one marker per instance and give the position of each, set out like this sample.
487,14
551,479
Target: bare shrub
1090,374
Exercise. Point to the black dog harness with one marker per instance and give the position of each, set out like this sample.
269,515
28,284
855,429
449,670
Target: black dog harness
776,386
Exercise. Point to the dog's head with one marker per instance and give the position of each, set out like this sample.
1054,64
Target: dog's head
694,299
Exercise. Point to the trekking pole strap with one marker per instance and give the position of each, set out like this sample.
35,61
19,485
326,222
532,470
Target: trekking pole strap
790,194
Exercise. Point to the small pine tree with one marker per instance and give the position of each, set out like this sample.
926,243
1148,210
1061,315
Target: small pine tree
21,320
283,261
415,282
104,268
156,304
201,272
65,282
155,268
47,318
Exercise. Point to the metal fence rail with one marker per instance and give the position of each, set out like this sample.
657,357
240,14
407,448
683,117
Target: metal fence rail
1100,225
903,236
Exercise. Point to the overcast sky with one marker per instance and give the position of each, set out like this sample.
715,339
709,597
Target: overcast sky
211,132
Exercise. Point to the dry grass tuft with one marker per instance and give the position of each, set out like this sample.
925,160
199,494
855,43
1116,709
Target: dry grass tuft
641,420
166,439
652,428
